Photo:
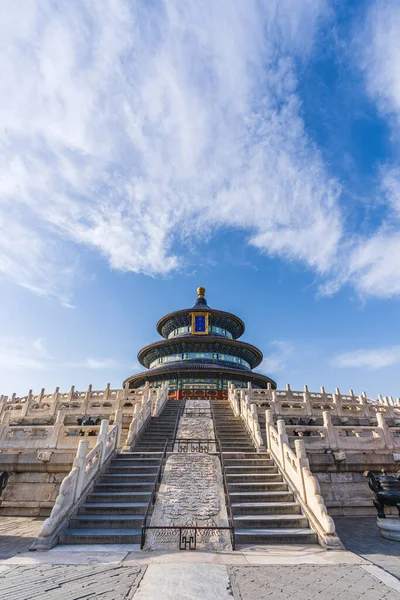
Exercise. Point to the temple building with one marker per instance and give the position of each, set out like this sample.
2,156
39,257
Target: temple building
200,354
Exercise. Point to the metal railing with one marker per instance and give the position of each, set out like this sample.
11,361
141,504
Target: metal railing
231,520
200,445
189,534
197,412
153,496
178,417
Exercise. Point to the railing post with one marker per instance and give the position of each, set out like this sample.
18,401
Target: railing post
269,420
282,438
337,400
385,430
118,421
102,438
302,461
307,402
80,464
330,430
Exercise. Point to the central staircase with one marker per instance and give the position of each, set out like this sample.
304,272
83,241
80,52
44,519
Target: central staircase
113,511
264,509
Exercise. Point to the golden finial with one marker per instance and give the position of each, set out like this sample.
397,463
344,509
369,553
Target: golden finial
201,292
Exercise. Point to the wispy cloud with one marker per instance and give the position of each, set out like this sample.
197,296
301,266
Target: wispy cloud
132,128
373,264
278,357
20,354
375,358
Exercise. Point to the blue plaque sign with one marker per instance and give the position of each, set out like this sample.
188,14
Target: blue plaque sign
199,324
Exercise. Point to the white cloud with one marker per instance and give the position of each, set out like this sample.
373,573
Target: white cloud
372,263
277,359
20,354
376,358
133,128
379,55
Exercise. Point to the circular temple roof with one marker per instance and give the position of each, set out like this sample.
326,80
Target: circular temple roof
189,342
218,318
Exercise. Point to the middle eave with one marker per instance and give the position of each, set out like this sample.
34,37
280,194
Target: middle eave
206,343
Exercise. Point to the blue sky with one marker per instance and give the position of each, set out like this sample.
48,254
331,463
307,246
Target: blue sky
247,146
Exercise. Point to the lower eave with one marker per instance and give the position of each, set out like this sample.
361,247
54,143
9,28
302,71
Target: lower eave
211,371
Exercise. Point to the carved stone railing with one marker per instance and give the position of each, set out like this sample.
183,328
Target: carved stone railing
94,403
160,400
142,413
342,438
75,486
295,469
242,407
51,421
294,403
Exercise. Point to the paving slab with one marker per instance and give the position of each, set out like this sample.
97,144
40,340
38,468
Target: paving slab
64,558
17,534
69,582
194,582
107,548
307,582
298,554
185,557
361,536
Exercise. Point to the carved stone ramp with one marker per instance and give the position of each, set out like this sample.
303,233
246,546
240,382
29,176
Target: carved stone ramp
113,511
264,509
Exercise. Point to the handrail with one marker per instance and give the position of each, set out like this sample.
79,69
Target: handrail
153,495
180,411
231,520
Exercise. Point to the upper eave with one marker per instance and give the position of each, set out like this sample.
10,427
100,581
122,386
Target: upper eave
199,343
171,321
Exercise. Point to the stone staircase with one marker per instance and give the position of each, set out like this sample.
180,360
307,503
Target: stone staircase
263,507
113,511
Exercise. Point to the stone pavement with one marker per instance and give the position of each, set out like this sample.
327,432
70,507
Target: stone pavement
109,573
307,582
17,534
362,537
278,572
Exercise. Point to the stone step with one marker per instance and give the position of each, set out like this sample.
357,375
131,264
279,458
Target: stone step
243,447
250,469
259,507
243,455
252,477
106,522
136,478
148,475
120,486
101,536
117,497
231,462
139,455
272,521
255,488
260,496
135,466
113,508
274,536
